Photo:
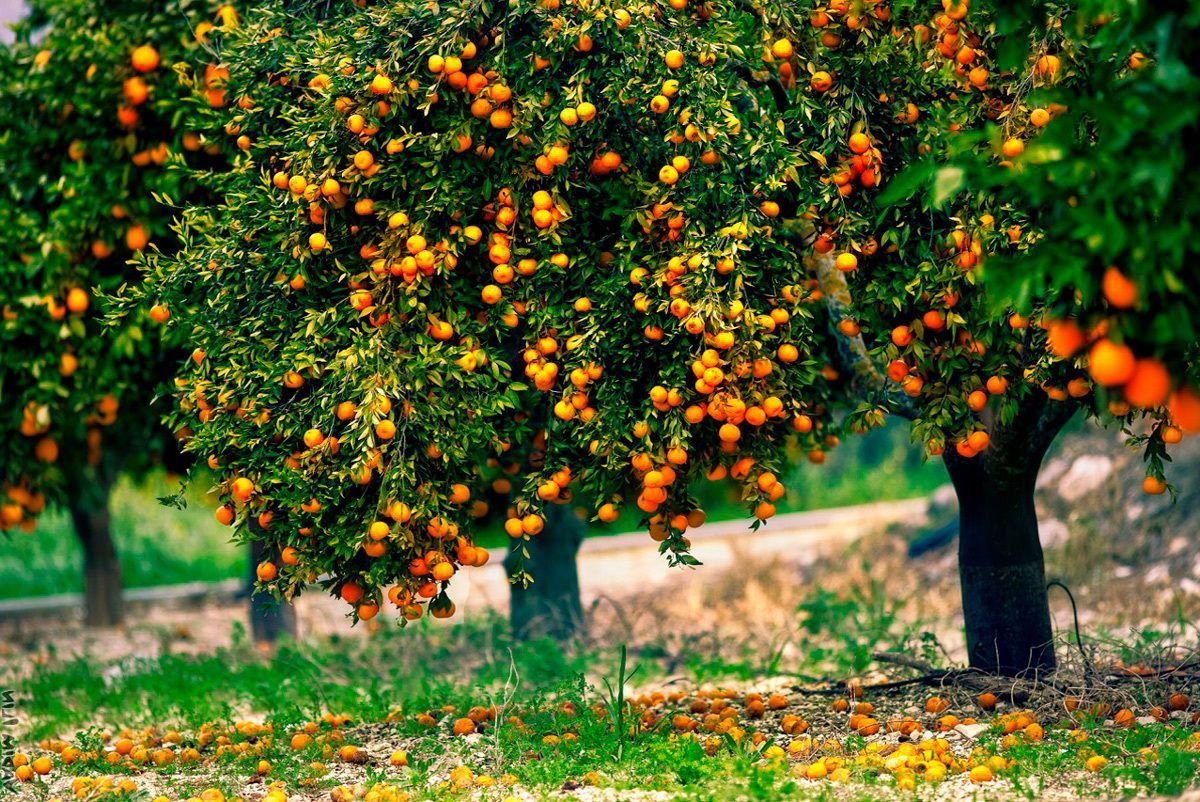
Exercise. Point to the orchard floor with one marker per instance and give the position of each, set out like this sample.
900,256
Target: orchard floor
181,706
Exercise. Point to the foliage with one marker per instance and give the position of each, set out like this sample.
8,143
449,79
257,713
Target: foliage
90,105
1098,119
586,249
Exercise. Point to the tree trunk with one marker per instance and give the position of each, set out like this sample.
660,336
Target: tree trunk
550,606
270,618
1001,566
103,605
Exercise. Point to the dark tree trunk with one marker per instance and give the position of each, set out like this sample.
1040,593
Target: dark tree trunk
550,606
270,618
103,605
1001,566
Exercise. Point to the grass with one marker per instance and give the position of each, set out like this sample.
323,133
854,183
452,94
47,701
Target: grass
163,546
545,717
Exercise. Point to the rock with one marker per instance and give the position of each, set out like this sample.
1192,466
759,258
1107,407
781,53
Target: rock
1178,545
1054,533
971,731
1123,572
1051,471
943,501
1085,475
1157,574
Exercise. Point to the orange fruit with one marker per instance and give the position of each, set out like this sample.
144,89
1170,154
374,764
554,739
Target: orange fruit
1184,407
78,300
1064,338
1118,290
1012,147
1148,385
1111,364
144,58
241,488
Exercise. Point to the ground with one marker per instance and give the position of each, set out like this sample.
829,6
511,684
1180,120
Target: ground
749,678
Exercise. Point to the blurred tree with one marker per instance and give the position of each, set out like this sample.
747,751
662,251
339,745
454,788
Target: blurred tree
89,102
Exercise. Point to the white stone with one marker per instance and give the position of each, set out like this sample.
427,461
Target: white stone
971,731
1157,574
1054,533
1051,471
1085,475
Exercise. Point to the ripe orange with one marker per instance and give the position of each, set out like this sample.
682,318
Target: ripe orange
78,300
1064,338
1111,364
144,58
266,571
821,81
1148,385
980,774
1119,291
1153,486
241,488
859,143
380,84
1184,407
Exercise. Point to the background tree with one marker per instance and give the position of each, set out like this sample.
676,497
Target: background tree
675,209
90,100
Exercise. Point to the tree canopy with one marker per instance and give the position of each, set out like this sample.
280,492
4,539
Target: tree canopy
608,251
91,109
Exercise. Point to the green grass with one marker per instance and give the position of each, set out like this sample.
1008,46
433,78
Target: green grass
565,703
157,545
162,546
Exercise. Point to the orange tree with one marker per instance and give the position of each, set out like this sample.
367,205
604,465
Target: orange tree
608,250
90,99
1094,112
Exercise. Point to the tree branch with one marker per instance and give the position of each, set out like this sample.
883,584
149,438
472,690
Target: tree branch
854,359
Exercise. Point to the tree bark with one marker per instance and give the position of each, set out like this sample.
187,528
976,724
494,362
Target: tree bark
1001,566
270,618
103,604
550,606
